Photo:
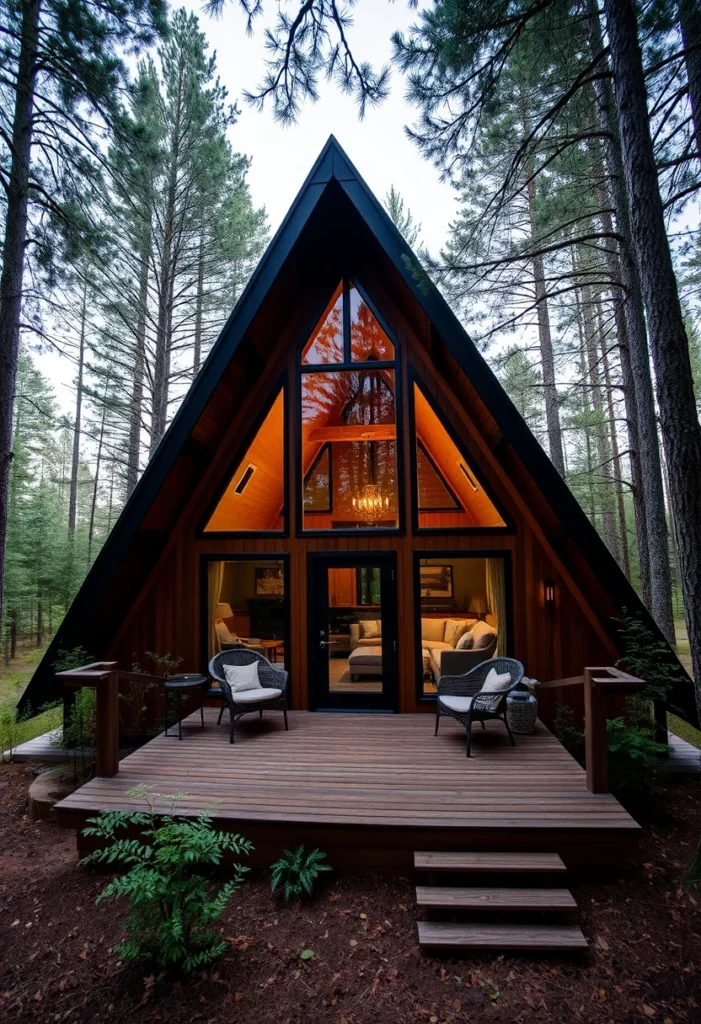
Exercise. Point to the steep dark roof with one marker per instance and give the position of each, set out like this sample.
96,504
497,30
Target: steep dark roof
334,169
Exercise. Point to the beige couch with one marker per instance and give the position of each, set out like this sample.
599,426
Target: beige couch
438,637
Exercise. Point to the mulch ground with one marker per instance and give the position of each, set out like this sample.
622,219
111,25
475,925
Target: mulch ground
57,961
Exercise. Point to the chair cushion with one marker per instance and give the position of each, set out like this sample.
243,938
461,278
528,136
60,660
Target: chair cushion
436,645
370,629
432,629
496,682
223,634
465,642
457,703
454,629
482,634
242,677
257,696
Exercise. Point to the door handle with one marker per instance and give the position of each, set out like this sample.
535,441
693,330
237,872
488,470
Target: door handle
327,643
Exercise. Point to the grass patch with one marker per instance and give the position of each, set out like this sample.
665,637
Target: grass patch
684,731
13,680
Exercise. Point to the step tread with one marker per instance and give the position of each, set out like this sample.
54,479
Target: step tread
446,935
482,898
485,862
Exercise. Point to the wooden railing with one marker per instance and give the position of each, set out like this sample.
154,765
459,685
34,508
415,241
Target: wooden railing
102,676
599,683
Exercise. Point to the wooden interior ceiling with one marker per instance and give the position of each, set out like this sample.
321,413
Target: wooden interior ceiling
446,457
259,506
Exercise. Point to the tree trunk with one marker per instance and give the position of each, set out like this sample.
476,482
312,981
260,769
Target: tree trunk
659,596
197,355
552,412
137,390
690,26
681,433
624,559
75,461
14,246
93,503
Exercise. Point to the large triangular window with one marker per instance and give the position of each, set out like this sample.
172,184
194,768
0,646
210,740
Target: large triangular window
349,419
254,500
449,493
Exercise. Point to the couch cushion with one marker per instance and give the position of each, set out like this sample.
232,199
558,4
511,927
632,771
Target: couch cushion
370,629
482,634
365,656
454,629
457,703
242,677
436,645
465,642
432,629
257,696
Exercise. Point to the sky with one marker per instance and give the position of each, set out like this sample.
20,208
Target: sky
283,156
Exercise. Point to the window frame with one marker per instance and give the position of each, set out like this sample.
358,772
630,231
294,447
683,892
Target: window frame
350,366
201,532
414,378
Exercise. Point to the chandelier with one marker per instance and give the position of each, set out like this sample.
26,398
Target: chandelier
369,505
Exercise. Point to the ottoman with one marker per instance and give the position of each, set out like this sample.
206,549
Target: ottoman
365,661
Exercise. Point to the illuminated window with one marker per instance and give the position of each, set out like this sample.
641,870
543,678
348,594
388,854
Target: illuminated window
255,497
368,341
317,483
326,342
449,493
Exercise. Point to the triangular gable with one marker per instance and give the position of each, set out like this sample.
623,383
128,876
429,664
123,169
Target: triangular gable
131,536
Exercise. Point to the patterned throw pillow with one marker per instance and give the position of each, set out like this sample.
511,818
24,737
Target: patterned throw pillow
370,629
454,629
465,642
242,677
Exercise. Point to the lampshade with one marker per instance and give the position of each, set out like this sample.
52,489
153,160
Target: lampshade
478,606
223,611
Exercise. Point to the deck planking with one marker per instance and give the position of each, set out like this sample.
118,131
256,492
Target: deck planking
375,787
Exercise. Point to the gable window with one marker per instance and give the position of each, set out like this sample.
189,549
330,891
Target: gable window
349,420
254,500
449,494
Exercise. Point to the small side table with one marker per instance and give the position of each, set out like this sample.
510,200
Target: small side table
522,713
187,682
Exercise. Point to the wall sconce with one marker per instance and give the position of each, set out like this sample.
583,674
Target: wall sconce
549,591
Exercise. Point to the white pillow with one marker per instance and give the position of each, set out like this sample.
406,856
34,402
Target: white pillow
242,677
370,629
495,682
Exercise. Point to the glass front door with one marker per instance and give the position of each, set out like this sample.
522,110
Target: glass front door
353,632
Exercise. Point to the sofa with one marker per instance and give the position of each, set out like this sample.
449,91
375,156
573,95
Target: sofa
438,643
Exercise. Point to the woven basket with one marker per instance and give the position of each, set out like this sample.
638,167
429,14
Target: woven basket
522,714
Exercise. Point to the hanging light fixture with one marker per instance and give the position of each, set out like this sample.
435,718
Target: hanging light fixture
369,505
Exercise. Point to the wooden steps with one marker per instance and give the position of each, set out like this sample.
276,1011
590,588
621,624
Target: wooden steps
489,863
525,904
468,935
435,897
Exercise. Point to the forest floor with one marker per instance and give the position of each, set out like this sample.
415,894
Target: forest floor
57,958
13,679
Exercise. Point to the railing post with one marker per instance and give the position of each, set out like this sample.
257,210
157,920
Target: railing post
600,683
104,678
595,735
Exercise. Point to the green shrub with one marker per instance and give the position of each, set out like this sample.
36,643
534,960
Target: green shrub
566,732
298,871
75,658
173,901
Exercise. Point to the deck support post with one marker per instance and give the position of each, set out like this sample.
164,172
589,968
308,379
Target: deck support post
104,678
600,683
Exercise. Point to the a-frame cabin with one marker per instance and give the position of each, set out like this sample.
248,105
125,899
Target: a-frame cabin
348,487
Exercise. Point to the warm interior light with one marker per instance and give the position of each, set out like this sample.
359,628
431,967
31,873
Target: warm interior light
550,593
369,504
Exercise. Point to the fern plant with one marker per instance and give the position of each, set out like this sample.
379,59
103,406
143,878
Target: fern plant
173,902
297,872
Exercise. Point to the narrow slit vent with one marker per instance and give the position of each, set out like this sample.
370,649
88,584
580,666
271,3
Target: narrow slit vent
468,475
245,479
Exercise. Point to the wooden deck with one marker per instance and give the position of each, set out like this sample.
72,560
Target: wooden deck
371,789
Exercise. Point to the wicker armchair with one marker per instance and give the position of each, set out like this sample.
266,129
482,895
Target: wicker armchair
249,700
468,705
